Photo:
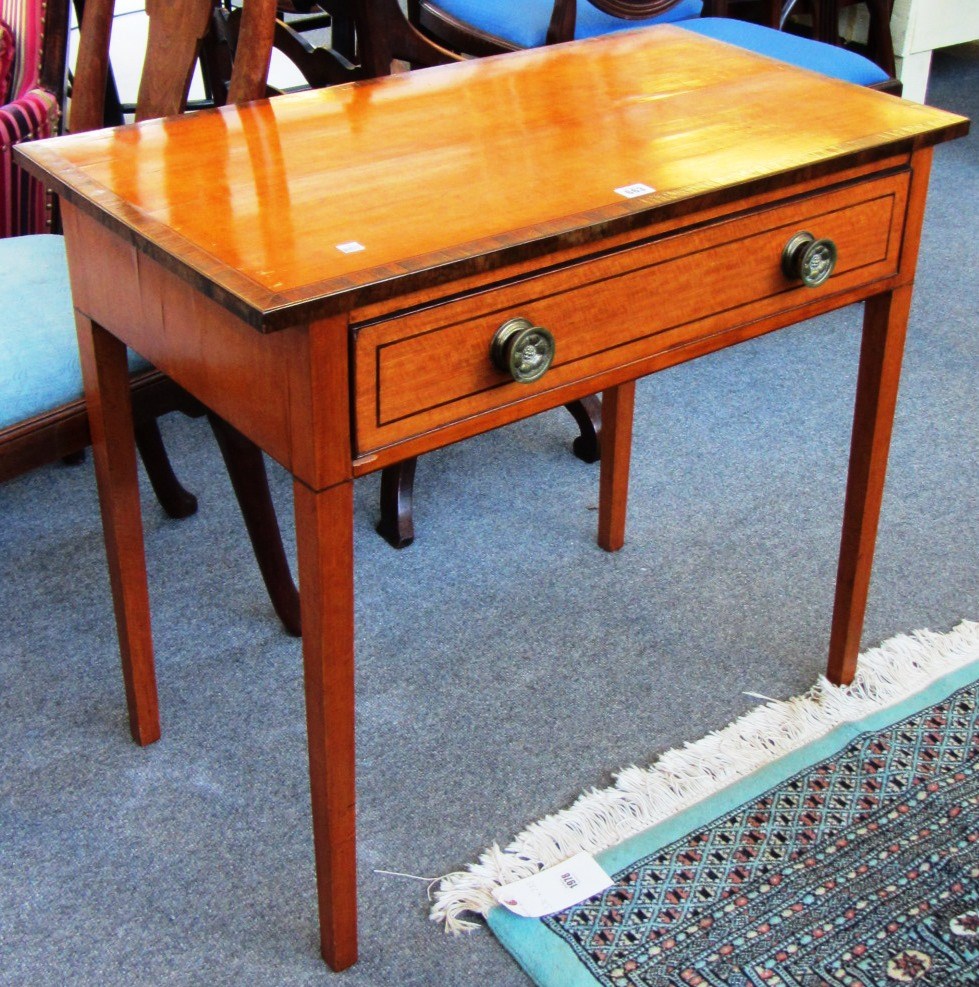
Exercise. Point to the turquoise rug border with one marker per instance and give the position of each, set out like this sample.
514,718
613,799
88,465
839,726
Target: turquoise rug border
539,952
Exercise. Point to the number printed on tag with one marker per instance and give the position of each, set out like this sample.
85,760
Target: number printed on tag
554,889
634,191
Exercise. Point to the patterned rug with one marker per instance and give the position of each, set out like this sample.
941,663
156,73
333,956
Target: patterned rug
830,840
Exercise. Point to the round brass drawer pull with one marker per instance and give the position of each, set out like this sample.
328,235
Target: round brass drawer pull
810,260
522,350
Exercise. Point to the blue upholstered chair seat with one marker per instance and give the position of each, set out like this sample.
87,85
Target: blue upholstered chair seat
839,63
39,366
524,23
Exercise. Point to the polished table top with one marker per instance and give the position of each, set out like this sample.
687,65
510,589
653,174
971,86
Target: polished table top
449,170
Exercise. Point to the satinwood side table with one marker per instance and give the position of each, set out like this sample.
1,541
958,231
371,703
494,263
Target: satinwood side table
358,275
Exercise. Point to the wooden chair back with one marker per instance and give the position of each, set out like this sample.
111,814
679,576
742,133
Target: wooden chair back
320,65
176,30
880,44
427,17
374,36
561,27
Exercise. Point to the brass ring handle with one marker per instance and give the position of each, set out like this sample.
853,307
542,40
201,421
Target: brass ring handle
522,350
809,260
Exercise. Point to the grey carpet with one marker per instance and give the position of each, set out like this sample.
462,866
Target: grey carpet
504,661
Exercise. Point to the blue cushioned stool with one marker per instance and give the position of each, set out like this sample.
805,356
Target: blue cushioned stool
43,417
39,366
839,63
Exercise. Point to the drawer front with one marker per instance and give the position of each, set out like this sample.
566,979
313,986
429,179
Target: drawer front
432,367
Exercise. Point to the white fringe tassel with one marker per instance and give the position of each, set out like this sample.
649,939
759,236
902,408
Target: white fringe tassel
642,797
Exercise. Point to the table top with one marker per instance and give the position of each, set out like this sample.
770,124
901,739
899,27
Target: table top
308,204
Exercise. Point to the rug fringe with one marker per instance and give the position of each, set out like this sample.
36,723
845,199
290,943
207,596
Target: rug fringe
642,797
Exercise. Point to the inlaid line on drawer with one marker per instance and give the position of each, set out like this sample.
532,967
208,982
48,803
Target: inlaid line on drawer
434,372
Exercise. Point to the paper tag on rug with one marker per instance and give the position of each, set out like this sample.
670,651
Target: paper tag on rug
552,890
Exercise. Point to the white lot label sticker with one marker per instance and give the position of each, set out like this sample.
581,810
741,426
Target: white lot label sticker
554,889
634,191
351,247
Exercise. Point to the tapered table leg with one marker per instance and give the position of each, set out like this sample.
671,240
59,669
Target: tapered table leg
324,533
613,485
884,328
106,377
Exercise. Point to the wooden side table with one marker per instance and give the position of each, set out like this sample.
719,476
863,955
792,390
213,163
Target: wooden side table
356,275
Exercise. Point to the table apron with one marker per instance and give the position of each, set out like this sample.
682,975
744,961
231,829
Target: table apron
400,386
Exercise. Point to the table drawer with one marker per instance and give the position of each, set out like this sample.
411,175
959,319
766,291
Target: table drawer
431,367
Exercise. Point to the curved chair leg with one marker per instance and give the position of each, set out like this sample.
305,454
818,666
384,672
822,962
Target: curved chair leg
246,468
173,498
588,414
397,526
397,492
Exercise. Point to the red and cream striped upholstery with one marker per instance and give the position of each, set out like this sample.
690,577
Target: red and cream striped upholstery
29,112
7,50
